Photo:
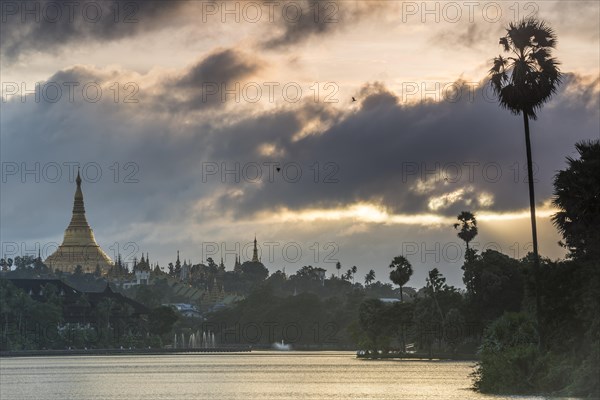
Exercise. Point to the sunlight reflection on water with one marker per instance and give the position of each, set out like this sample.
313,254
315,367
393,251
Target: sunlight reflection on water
256,375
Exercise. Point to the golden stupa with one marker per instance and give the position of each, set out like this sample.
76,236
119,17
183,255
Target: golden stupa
79,246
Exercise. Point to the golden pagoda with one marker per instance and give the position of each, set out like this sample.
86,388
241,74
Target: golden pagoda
79,246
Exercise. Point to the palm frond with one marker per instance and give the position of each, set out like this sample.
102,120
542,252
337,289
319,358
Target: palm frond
543,34
504,43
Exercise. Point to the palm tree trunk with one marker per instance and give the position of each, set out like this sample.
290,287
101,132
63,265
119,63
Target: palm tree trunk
536,257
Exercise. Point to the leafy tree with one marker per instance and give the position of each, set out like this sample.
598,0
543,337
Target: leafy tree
103,312
83,307
379,289
374,320
254,272
23,262
508,356
437,311
495,284
401,272
277,278
212,265
523,82
454,324
577,195
20,314
338,266
306,272
161,320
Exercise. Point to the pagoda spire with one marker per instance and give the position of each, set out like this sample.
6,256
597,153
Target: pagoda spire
255,252
78,219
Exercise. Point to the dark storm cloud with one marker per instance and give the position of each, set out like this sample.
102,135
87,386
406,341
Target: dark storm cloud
401,155
319,17
204,82
198,87
51,25
222,67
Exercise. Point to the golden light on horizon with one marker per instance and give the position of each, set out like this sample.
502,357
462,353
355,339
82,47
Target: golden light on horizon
377,214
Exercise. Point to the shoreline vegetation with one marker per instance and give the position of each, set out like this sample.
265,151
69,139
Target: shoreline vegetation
418,356
234,349
150,351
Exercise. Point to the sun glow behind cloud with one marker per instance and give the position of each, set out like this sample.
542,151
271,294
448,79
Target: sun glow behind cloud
363,212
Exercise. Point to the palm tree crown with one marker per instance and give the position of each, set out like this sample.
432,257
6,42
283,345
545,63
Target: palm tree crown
468,226
370,277
400,273
529,77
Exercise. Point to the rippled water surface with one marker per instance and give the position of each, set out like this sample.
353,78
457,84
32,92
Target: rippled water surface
256,375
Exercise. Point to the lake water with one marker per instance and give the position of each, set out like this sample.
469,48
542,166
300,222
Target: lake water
249,376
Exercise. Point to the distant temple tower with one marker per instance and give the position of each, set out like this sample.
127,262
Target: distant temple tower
79,246
142,270
238,264
255,252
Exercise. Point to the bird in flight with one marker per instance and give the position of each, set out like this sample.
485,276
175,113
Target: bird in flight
353,99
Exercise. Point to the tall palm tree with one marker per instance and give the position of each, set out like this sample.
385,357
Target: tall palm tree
348,275
370,277
401,272
338,266
523,82
435,283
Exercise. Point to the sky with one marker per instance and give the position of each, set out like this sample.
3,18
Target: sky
198,125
